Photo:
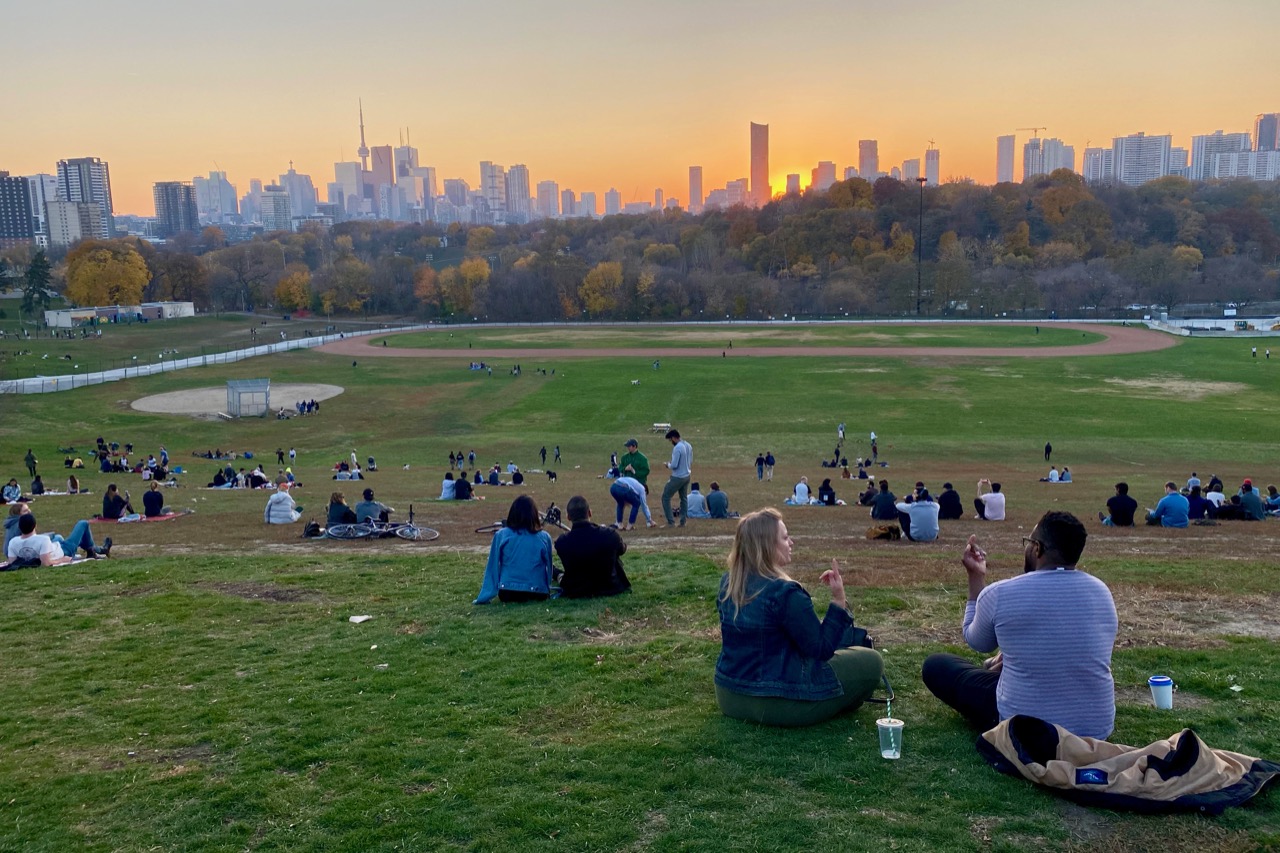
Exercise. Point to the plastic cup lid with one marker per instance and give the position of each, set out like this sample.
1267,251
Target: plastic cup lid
889,722
1159,680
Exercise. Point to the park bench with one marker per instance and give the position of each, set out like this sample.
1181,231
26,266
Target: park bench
663,428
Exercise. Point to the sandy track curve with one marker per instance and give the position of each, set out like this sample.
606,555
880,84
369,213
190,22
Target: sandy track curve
1120,340
210,401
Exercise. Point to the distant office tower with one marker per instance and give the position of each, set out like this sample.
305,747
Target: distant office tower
423,179
587,205
493,186
350,176
568,204
932,166
869,159
911,169
737,192
695,189
1178,160
1004,159
334,195
71,221
519,207
657,199
612,202
406,159
16,223
43,189
895,173
277,214
1139,158
1205,148
251,202
548,199
1254,165
215,198
175,208
673,203
1266,132
1045,156
823,177
381,180
302,192
850,172
761,192
87,180
457,191
716,200
793,184
637,207
1097,166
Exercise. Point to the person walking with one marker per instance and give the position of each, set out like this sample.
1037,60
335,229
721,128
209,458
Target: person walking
543,454
293,455
31,461
681,471
279,455
557,454
1048,451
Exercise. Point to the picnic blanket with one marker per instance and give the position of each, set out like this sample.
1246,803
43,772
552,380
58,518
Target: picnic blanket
129,519
57,494
1180,773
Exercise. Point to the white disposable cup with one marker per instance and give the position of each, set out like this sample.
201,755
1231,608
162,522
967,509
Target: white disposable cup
890,737
1161,691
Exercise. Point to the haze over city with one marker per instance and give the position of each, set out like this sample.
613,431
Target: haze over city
595,96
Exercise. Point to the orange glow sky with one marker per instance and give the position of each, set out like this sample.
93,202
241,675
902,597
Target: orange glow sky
598,94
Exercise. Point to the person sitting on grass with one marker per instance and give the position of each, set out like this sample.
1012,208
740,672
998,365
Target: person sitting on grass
1251,502
1198,506
16,511
990,501
779,665
371,510
919,517
447,487
153,501
718,503
1272,501
339,512
30,548
800,495
114,504
1066,475
462,488
1055,627
698,503
591,555
1053,477
826,494
1232,510
884,506
281,508
1172,509
949,504
73,485
37,486
1120,508
519,567
12,492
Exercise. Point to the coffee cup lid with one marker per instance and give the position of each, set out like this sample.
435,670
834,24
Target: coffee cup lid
1159,680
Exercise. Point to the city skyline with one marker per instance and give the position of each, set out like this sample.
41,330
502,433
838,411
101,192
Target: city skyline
632,105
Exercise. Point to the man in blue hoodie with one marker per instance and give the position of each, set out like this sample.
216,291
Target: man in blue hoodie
1173,509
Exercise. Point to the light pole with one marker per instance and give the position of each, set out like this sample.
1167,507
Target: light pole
920,246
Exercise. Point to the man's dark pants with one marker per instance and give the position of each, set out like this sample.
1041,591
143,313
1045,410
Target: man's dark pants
965,686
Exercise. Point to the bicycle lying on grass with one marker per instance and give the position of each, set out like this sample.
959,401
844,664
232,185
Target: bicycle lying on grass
373,529
552,517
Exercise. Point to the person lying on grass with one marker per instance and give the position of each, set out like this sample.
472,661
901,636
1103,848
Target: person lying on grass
519,567
32,548
779,665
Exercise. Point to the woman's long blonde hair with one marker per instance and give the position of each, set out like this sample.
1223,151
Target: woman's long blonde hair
754,548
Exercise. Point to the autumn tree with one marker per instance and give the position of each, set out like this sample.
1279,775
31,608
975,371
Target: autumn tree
426,288
182,278
602,288
105,272
293,291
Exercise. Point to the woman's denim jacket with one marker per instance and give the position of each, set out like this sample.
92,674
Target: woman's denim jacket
776,646
519,561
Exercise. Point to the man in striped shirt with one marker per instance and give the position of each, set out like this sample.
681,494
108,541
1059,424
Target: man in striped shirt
1055,627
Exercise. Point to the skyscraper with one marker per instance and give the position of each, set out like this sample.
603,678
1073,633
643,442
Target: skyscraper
1204,149
869,159
612,202
568,204
518,209
1139,158
43,189
695,189
215,198
176,209
1266,132
87,180
932,166
457,191
1045,156
911,169
1004,159
350,176
15,211
1098,166
657,199
493,186
793,183
761,192
586,205
548,199
823,176
276,212
302,192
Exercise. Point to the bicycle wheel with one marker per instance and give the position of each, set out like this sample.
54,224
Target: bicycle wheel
349,531
414,533
491,528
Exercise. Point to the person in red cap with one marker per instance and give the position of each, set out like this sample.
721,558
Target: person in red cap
1251,502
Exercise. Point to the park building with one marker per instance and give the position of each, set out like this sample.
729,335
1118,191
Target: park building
70,318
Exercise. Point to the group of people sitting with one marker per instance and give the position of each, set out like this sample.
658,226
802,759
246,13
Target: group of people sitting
460,488
802,495
229,478
366,510
1180,506
1054,476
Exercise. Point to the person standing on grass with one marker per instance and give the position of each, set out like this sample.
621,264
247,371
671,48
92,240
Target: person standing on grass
519,567
681,471
31,461
293,455
1048,451
543,454
1055,627
557,459
769,462
779,665
634,463
760,466
279,455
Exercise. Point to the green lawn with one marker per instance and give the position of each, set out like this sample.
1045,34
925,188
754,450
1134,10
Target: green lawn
205,691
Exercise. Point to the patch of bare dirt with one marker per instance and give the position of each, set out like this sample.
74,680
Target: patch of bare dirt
1175,388
252,591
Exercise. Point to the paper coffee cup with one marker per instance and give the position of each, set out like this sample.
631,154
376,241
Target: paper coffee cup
1161,691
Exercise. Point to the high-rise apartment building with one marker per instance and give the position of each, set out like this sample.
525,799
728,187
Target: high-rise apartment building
911,169
793,184
895,173
823,176
1204,150
548,199
277,213
215,198
1139,158
1266,132
869,159
518,205
761,192
612,202
658,201
43,189
695,189
932,166
1097,167
1254,165
568,204
72,221
850,172
1178,162
1045,156
176,209
457,191
1004,159
302,192
586,205
493,186
16,223
737,192
87,180
350,176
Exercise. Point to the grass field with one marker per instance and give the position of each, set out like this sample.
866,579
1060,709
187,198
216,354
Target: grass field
206,691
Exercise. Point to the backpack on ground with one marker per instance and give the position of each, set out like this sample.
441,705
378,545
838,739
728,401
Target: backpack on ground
884,531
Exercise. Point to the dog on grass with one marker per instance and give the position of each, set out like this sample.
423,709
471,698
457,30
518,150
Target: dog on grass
635,381
551,476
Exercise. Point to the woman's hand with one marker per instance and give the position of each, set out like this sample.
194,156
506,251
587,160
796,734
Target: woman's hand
835,582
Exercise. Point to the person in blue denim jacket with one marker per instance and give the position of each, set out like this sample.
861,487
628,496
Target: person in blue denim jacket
519,567
778,664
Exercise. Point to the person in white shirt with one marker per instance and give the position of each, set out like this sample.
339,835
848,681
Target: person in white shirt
990,501
801,496
698,503
281,508
447,488
1053,477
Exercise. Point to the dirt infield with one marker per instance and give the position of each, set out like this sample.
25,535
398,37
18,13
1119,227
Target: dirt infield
210,401
1120,340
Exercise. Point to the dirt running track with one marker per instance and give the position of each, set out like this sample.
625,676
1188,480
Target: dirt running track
1120,340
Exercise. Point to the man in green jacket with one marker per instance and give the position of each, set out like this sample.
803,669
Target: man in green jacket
634,463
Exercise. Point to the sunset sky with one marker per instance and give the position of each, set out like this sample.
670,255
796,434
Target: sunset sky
596,94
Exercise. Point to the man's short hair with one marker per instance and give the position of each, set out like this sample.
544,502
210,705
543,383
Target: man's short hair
995,487
946,486
631,442
1063,534
1171,485
673,433
368,494
695,486
884,485
715,487
577,509
1122,488
26,524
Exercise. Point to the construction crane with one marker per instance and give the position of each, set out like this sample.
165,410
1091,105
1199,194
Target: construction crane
1035,129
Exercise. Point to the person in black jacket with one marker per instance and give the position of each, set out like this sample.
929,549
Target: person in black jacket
462,488
153,501
949,503
591,556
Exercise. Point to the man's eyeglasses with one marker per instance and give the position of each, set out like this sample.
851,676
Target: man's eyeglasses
1028,540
